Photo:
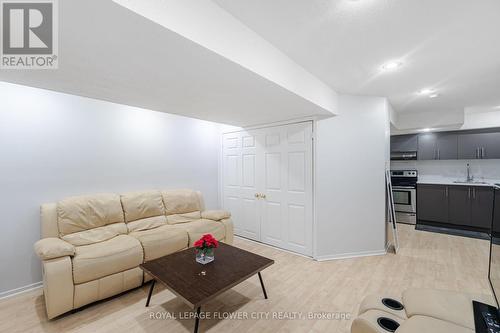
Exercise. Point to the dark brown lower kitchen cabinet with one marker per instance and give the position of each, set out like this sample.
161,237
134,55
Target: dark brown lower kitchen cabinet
463,206
459,205
432,203
496,224
481,206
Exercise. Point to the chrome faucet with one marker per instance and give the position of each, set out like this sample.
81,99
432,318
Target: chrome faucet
469,176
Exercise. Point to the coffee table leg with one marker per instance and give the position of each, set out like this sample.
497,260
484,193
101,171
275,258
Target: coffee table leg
150,292
197,319
262,284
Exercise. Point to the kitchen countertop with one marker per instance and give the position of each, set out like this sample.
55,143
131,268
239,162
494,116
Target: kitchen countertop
451,181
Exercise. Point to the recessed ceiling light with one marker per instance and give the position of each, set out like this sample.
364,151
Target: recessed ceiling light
426,91
425,130
433,95
391,65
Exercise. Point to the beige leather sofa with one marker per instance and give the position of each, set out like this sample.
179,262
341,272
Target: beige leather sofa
424,310
91,246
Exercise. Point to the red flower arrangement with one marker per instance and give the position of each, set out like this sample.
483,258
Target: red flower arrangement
206,242
204,248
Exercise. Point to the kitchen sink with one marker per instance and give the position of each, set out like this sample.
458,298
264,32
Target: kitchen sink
470,182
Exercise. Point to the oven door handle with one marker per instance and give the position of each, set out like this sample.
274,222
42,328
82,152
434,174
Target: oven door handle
403,187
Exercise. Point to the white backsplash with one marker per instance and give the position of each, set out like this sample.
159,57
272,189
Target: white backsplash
451,169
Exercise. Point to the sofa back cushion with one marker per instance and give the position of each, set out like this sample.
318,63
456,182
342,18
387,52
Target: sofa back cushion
143,210
87,212
89,219
181,205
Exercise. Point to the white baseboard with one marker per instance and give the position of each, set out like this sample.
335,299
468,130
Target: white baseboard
325,257
351,255
20,290
274,247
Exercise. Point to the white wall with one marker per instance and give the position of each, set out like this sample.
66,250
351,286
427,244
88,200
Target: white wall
351,158
470,118
54,145
485,119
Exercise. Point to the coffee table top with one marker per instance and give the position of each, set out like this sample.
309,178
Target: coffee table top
182,275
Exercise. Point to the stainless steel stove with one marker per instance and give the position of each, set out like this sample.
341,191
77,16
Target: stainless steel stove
404,189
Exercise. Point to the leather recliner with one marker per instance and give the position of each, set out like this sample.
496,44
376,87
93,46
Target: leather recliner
92,245
419,310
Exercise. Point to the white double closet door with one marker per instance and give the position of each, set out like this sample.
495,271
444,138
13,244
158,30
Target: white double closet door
267,185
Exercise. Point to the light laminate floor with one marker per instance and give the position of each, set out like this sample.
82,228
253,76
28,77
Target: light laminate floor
294,284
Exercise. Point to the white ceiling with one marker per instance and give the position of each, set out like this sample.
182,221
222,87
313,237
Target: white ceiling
450,45
110,53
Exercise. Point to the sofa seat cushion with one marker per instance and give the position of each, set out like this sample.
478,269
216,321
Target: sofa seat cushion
96,235
183,218
422,324
451,306
161,241
198,228
147,223
97,260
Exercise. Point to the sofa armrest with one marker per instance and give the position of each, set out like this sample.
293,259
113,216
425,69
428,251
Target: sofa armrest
58,287
215,215
229,231
50,248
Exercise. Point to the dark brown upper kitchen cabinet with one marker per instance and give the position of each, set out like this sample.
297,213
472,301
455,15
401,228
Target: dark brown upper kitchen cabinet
481,206
479,146
432,203
438,146
403,143
459,199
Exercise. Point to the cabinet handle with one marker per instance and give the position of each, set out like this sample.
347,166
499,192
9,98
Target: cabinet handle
469,192
477,152
474,193
446,191
257,195
482,152
262,195
439,154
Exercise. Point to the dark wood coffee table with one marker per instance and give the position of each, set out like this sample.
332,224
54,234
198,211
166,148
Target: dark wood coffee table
197,284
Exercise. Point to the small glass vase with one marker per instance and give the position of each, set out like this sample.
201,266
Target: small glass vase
205,256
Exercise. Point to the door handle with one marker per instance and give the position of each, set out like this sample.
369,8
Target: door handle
257,195
262,195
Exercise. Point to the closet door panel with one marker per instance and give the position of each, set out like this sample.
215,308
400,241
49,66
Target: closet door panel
240,183
267,185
